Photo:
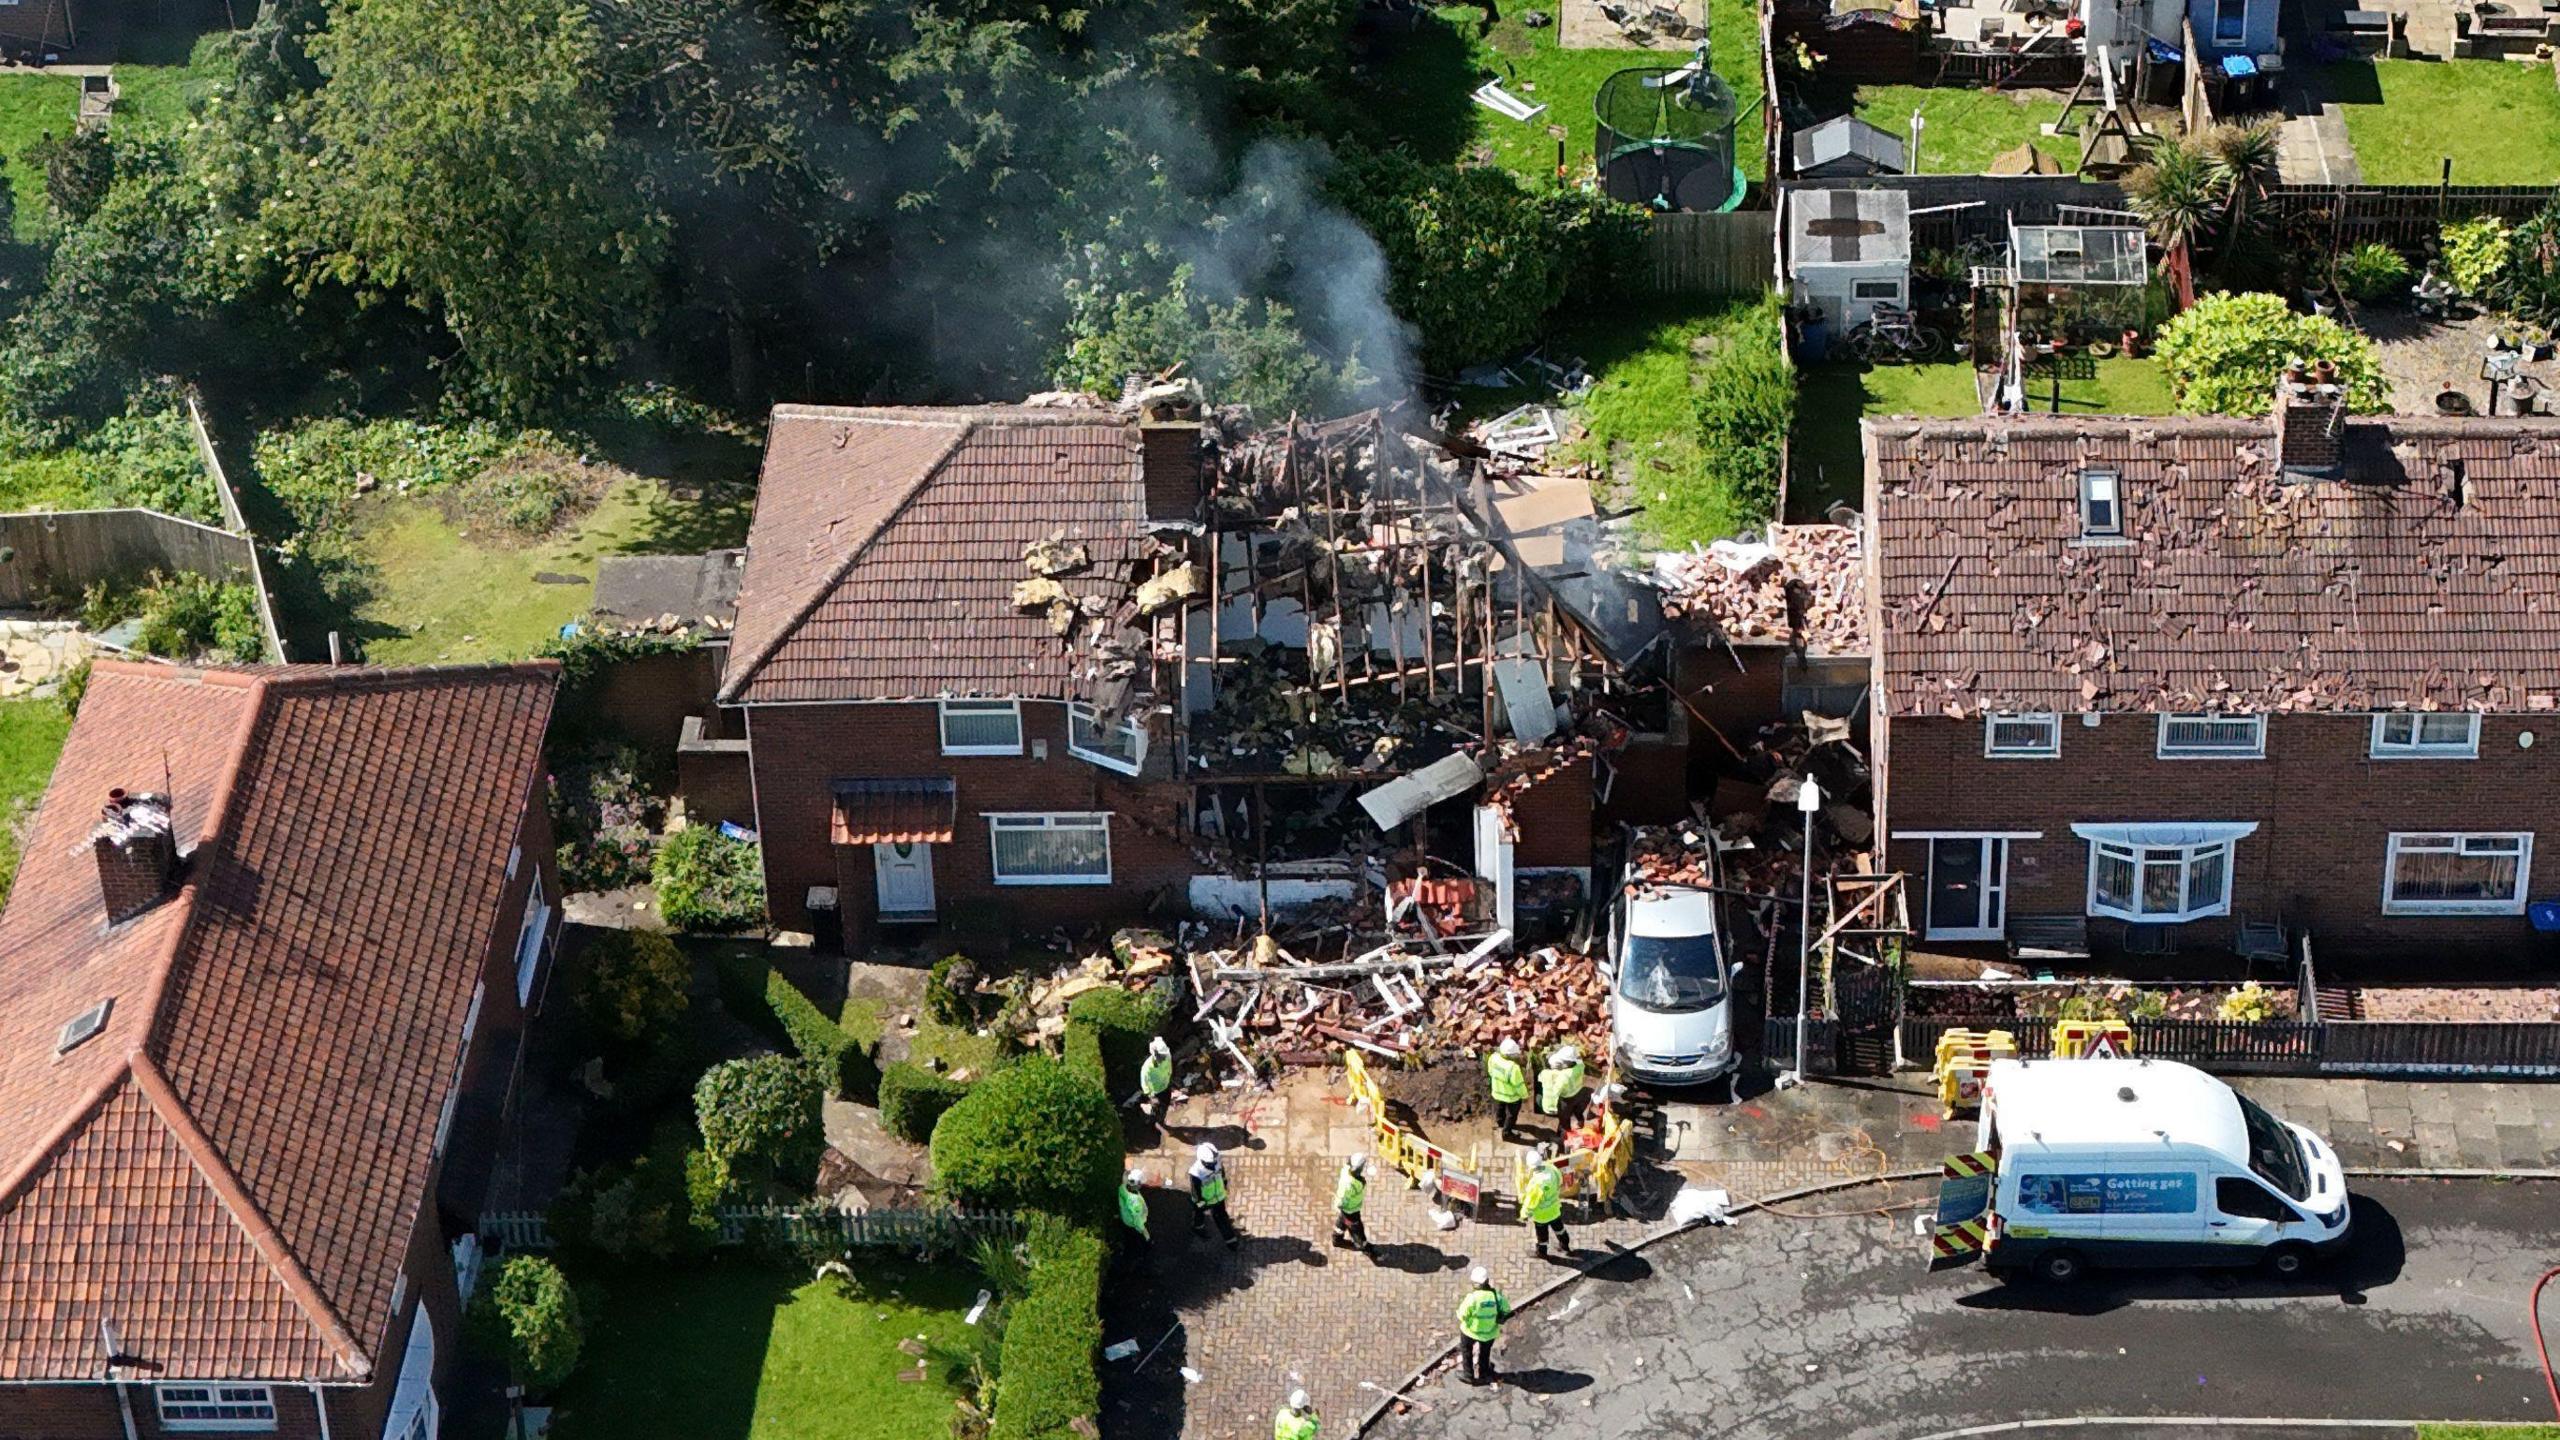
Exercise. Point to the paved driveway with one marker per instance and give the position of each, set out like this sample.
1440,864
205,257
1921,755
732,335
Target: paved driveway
1830,1329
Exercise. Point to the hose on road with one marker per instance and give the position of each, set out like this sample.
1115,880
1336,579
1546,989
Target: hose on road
2533,1310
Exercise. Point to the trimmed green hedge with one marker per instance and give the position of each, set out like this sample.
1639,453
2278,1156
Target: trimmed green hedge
1112,1026
913,1098
758,994
1047,1380
1036,1135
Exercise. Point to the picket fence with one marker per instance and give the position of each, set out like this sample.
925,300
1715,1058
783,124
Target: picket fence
884,1229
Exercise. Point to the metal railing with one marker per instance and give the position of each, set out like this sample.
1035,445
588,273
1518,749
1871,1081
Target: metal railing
2292,1047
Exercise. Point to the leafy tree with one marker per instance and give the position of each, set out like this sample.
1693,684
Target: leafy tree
455,160
77,169
634,986
1033,1135
527,1313
1249,353
760,1122
2243,164
2223,356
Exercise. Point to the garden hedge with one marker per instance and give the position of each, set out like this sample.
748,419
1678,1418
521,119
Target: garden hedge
1046,1381
1118,1024
1037,1135
708,881
913,1099
757,994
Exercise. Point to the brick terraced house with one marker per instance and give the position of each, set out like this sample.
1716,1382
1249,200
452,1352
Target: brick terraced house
917,739
2161,686
263,981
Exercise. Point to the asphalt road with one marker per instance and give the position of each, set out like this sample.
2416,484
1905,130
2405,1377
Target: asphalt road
1832,1329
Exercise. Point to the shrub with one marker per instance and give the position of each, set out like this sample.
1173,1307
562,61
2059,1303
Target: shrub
951,991
1746,405
527,493
843,1060
760,1122
645,1209
77,166
319,467
742,978
1034,1135
1083,1054
913,1099
1118,1024
2251,1004
528,1314
1046,1382
2223,356
2529,285
2372,271
2475,253
606,808
709,881
634,987
185,616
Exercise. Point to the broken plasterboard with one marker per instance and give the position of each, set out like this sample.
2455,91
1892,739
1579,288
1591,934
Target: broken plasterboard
1406,796
1502,102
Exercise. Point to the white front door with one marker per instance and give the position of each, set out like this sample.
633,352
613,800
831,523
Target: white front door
1968,888
905,870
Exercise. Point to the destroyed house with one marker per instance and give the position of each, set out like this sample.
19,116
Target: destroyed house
264,976
1770,628
1062,665
2190,687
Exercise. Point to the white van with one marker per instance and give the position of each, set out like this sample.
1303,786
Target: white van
2148,1162
1670,990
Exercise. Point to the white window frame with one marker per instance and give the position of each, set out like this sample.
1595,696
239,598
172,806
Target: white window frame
2254,748
1084,715
1876,290
2417,746
531,938
1047,821
945,709
2140,857
2051,749
2092,482
210,1395
2414,841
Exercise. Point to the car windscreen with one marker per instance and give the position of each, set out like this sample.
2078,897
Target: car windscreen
2273,1152
1672,973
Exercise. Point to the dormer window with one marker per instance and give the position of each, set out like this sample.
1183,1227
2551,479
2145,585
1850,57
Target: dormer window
2101,510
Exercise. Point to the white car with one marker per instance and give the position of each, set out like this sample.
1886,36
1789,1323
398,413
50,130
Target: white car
1671,992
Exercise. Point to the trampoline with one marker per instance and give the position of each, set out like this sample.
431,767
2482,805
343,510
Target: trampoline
1666,138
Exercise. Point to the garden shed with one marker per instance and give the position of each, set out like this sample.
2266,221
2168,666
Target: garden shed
1846,147
1849,251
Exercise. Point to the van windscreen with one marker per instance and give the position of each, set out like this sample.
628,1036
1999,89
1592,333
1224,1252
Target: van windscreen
2273,1152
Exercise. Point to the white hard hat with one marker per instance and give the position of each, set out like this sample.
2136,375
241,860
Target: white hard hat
1543,1150
1510,1046
1159,1047
1565,1055
1137,1177
1207,1154
1479,1275
1297,1399
1359,1164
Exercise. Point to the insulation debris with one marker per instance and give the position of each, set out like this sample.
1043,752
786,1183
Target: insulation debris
1037,593
1055,556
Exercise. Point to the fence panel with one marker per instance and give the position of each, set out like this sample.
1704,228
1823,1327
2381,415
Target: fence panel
1728,254
2403,215
61,553
2392,1047
236,523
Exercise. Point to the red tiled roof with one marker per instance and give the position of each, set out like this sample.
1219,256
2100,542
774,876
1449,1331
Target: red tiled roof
886,546
2429,578
231,1169
897,811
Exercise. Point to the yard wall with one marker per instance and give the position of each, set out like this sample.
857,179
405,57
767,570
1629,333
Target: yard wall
2324,812
797,751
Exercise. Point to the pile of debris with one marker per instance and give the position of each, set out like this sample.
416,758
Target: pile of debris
1804,586
1139,958
1546,997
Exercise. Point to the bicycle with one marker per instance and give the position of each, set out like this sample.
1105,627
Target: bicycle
1894,333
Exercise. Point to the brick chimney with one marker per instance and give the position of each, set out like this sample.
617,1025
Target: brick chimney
137,850
1169,462
2311,423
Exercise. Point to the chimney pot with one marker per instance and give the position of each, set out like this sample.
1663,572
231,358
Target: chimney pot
136,847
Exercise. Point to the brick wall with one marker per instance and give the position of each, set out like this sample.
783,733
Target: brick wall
2324,811
1554,818
711,775
798,750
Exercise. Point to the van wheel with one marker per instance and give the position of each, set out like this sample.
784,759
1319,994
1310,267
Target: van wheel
2060,1267
2288,1262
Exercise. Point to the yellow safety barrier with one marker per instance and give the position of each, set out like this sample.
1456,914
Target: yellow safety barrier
1592,1172
1964,1060
2092,1039
1459,1178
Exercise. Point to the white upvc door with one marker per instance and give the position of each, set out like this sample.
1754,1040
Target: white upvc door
1968,888
905,872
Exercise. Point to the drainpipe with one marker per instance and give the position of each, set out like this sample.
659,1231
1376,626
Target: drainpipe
320,1403
124,1409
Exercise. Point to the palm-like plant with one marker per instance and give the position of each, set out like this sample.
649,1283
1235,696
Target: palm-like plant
2242,159
2179,195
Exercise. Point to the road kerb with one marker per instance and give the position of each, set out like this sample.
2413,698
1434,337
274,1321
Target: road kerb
2182,1422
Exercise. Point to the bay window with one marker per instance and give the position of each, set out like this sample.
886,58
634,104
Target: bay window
2161,874
2456,874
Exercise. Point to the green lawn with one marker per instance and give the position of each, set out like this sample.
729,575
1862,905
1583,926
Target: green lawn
162,97
1827,462
32,106
440,596
2498,120
1425,78
1964,130
734,1350
31,736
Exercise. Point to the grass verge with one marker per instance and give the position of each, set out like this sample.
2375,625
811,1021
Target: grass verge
764,1355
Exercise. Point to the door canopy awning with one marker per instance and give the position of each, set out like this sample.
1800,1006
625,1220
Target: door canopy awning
2167,834
907,810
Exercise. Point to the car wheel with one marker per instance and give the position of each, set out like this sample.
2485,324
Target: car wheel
2060,1267
2288,1262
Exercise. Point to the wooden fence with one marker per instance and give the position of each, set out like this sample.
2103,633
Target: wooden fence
58,554
2407,216
235,522
899,1229
1733,253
